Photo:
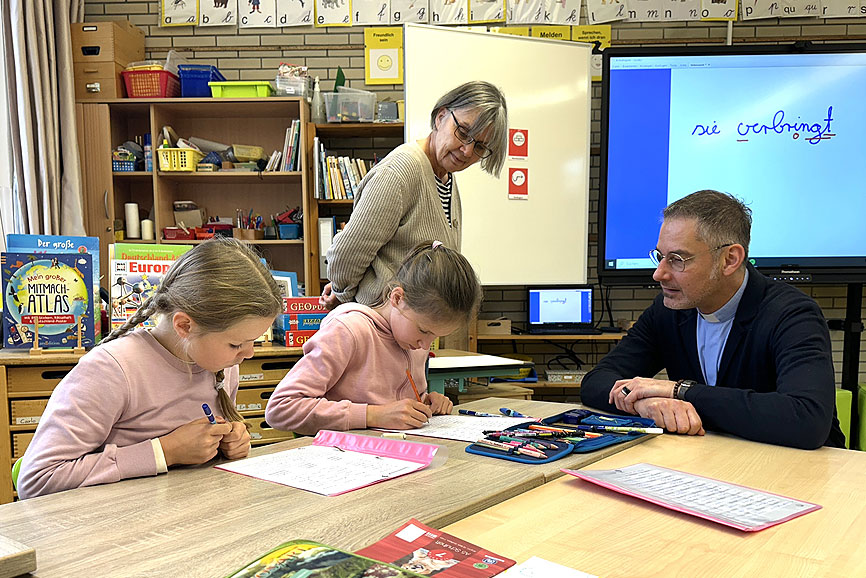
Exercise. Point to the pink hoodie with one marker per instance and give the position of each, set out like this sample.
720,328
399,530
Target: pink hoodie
353,360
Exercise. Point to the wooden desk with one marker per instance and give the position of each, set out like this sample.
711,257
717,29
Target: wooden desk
607,534
26,383
199,521
437,376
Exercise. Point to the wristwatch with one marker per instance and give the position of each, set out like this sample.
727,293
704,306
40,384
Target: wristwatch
681,387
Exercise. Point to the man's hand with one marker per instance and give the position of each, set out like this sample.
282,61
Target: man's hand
625,392
675,415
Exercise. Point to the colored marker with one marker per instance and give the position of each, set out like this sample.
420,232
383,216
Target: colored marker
475,413
621,429
511,412
208,413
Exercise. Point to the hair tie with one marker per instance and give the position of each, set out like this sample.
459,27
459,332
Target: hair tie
219,385
435,245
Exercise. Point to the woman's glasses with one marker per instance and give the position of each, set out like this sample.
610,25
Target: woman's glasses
480,149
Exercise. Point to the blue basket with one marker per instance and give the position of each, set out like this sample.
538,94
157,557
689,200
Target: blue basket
194,79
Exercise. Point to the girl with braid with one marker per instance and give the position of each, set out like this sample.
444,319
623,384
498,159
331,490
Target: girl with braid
363,366
132,406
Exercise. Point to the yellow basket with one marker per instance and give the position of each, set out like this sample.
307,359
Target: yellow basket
523,372
179,159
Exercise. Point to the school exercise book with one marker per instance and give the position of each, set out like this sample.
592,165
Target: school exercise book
53,291
739,507
430,552
337,462
307,559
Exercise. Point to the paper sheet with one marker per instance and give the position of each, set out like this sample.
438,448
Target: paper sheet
466,428
740,507
324,470
537,567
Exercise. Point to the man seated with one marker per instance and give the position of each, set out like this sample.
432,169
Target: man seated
746,355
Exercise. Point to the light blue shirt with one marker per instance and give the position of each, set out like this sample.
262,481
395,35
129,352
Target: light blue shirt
713,331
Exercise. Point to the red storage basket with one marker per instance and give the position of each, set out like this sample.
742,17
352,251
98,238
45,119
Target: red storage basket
151,84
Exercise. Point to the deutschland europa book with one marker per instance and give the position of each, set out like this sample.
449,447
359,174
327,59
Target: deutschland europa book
49,295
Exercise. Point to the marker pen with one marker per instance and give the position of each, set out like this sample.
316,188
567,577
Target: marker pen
208,413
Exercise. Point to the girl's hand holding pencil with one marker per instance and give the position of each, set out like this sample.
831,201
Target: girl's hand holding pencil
400,414
236,443
195,442
439,404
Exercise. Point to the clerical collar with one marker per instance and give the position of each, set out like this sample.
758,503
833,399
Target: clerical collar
727,311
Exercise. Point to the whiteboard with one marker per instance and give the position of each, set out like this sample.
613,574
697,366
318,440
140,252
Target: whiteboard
542,239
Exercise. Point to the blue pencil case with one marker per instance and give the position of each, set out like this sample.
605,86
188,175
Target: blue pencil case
567,420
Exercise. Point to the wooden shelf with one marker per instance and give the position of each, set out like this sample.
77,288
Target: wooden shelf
228,177
146,175
533,337
360,129
336,201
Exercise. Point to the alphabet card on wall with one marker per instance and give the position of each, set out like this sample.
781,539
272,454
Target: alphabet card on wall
178,12
333,13
47,300
718,9
217,12
294,12
366,12
644,10
755,9
258,14
416,11
525,12
486,11
598,11
564,11
681,10
449,11
839,8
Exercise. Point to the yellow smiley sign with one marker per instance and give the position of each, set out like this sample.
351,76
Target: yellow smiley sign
384,62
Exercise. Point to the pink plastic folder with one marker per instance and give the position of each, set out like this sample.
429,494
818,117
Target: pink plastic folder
739,507
337,462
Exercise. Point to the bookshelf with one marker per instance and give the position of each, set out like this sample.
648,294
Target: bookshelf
355,140
103,125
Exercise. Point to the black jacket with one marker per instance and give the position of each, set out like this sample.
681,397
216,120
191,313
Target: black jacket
776,382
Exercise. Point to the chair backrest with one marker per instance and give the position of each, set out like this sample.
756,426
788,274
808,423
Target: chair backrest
15,469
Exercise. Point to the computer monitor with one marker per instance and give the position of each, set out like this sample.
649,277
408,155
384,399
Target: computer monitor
560,309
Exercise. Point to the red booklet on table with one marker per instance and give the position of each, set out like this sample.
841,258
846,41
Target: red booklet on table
422,549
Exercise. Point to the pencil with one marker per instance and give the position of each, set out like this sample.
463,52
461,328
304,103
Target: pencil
412,383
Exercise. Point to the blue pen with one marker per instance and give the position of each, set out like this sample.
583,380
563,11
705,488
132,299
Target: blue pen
511,412
475,413
208,413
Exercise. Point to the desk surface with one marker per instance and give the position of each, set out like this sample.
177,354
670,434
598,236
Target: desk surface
209,522
607,534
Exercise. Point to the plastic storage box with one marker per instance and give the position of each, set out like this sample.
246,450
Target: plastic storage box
178,159
350,105
150,84
122,166
293,86
194,79
290,231
240,88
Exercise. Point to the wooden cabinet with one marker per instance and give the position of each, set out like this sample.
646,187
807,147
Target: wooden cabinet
26,383
366,141
260,122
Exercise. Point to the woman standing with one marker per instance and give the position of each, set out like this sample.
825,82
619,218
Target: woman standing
411,195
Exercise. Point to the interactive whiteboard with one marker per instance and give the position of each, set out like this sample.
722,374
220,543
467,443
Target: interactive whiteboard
541,238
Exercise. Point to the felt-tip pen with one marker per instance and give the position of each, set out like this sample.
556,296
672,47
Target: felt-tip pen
621,429
208,413
511,412
475,413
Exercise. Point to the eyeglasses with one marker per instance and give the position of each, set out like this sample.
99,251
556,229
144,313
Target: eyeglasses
480,149
678,262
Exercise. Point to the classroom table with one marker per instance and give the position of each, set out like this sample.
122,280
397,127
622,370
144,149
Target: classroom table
457,364
199,521
601,532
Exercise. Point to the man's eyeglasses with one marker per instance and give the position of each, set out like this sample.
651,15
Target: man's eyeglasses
480,149
676,261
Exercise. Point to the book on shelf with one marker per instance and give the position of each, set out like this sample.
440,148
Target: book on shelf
64,244
327,230
347,180
296,148
317,178
49,294
135,272
273,162
285,151
422,549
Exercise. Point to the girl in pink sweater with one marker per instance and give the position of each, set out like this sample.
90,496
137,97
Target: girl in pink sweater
358,369
133,406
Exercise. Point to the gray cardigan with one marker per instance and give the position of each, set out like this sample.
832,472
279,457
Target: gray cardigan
397,207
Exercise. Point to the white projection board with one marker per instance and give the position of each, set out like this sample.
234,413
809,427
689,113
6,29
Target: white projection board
542,237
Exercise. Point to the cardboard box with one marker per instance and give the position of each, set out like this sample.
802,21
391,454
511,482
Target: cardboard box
190,219
499,326
100,51
98,80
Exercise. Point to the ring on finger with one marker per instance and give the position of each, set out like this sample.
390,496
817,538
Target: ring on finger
625,391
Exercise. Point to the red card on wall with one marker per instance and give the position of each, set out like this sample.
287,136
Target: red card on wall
518,183
518,143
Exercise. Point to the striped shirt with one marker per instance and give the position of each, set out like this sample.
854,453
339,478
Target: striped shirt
445,195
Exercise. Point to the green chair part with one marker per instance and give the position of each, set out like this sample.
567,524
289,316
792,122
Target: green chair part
15,469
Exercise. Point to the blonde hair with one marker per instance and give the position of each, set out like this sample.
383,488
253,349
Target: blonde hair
439,283
217,284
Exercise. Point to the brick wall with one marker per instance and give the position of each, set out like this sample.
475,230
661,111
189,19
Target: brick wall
254,54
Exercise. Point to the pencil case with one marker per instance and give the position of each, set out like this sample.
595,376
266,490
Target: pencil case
567,420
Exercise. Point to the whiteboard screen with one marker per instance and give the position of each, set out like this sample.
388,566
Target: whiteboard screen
543,238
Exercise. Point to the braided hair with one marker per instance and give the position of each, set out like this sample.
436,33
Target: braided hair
217,283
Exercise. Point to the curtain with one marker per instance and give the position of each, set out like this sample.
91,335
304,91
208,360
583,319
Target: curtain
41,98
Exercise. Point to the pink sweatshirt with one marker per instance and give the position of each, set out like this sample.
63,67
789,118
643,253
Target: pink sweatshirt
352,361
101,418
